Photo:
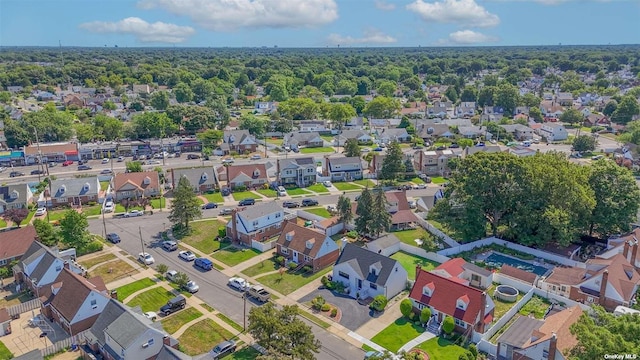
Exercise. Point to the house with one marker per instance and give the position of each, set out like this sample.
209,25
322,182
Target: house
597,120
366,274
608,282
521,110
51,152
564,98
14,243
73,100
471,308
427,202
306,247
432,131
439,111
355,123
15,196
520,132
201,179
624,244
519,274
248,175
136,185
473,132
434,162
476,149
299,171
72,192
343,168
73,301
141,89
263,107
528,338
466,273
376,163
397,204
123,333
312,125
495,118
465,109
553,132
362,136
14,89
521,151
399,135
41,265
239,141
259,222
297,140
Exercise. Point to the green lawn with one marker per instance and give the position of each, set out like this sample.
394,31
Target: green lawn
202,235
261,268
314,319
276,142
3,224
55,215
151,300
297,191
267,192
501,307
320,212
409,262
328,138
120,208
96,260
417,181
28,219
394,336
233,256
537,306
245,195
288,283
365,183
247,353
174,322
438,180
202,337
158,203
104,185
92,210
126,290
215,197
318,188
316,150
346,186
231,323
442,349
4,352
408,236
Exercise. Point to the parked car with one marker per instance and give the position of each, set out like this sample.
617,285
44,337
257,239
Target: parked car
106,172
225,191
454,146
413,204
309,202
133,213
151,315
37,172
191,287
290,204
146,258
378,149
256,157
153,162
420,186
173,305
193,156
204,264
67,163
52,164
365,150
210,205
108,207
105,161
171,275
186,255
170,245
238,283
228,161
2,169
281,191
113,237
223,349
259,293
226,211
84,167
248,201
16,174
120,158
41,211
327,183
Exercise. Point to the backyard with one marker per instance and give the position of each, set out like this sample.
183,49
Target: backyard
442,349
315,150
320,212
409,262
113,270
245,195
261,268
104,185
151,300
501,306
536,306
202,336
288,282
173,323
409,236
318,188
126,290
346,186
202,235
394,336
232,256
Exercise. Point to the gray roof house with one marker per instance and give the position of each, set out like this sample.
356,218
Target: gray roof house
239,140
367,274
121,332
200,178
303,139
343,168
15,196
41,265
299,171
361,135
399,135
75,191
473,132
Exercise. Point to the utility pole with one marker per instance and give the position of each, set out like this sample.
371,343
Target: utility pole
104,223
244,313
39,153
141,242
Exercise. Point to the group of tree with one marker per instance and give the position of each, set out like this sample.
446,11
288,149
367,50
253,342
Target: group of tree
393,166
538,200
373,216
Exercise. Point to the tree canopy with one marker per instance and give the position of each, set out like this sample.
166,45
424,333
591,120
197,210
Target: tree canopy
184,207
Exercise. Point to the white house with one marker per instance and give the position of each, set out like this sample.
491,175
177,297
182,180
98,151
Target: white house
343,169
256,223
553,132
312,125
367,274
40,266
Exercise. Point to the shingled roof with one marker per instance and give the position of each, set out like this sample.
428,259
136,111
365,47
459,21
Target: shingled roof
361,261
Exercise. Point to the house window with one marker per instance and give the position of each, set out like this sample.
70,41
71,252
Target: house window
545,354
277,226
94,302
343,274
373,286
307,258
255,223
460,323
277,215
3,262
475,278
563,288
284,250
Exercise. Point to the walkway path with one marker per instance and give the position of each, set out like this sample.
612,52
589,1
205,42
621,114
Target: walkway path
367,342
417,341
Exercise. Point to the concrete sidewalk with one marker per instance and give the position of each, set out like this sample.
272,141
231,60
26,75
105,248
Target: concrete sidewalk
417,341
375,325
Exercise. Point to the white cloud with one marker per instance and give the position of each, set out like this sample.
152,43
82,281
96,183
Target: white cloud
370,36
467,37
462,12
142,30
556,2
385,6
228,15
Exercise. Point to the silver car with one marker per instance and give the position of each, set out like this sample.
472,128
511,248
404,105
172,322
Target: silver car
191,287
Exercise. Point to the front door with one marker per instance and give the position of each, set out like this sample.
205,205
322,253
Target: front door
295,257
359,284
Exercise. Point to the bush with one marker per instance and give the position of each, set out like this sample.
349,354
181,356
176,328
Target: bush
337,286
318,302
334,312
325,281
425,315
222,232
94,246
412,316
379,303
448,325
239,188
326,307
292,265
405,308
307,269
473,350
352,234
279,259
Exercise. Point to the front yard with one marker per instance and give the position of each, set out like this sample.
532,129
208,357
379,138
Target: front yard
232,256
202,235
4,352
267,192
297,191
366,183
442,349
346,186
126,290
89,263
318,188
438,180
160,203
261,268
245,195
55,215
394,336
288,282
202,337
314,150
92,210
151,300
319,211
28,219
174,322
409,262
215,197
113,271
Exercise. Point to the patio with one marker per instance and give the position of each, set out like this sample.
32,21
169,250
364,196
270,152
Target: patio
25,338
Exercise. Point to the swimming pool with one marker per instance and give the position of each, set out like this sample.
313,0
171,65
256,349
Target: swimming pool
497,260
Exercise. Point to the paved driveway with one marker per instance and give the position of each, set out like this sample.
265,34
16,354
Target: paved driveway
354,315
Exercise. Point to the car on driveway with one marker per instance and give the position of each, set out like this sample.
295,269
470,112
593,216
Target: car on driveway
151,315
239,283
108,207
248,201
327,183
146,258
204,264
191,287
309,202
171,275
113,237
223,349
41,211
290,204
210,205
186,255
133,213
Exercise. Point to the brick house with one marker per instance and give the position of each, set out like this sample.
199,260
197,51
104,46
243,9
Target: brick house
434,162
200,178
248,175
259,222
305,246
239,141
136,185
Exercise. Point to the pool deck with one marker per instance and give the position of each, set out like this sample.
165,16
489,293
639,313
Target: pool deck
485,255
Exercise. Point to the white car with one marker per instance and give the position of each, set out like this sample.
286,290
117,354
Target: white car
186,255
420,186
151,315
2,169
41,211
413,204
108,207
106,172
327,183
120,158
365,150
153,162
256,157
191,287
146,258
105,161
239,283
171,275
133,213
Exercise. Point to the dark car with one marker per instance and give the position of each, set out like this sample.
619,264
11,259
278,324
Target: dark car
37,172
309,202
204,264
441,148
245,202
454,146
223,349
113,237
209,206
84,167
193,156
173,305
225,191
290,204
16,173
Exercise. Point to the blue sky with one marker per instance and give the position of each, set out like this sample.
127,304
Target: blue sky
317,23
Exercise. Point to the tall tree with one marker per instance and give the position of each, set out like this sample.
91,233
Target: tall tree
365,213
507,96
351,148
184,207
160,100
602,333
382,219
16,215
382,107
584,143
133,166
299,109
571,116
47,234
153,125
345,214
255,125
392,165
210,138
626,109
183,93
340,113
73,229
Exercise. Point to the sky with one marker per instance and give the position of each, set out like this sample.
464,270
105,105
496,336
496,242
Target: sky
317,23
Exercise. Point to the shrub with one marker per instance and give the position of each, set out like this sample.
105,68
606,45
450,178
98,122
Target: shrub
473,350
325,281
425,315
239,188
337,286
318,302
405,308
279,259
334,312
94,246
379,303
448,325
292,265
412,316
326,307
222,232
307,269
352,234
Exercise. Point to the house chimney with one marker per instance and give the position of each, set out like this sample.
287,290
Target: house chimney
326,163
114,294
603,287
418,268
66,265
166,340
234,229
553,347
625,251
634,252
483,308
